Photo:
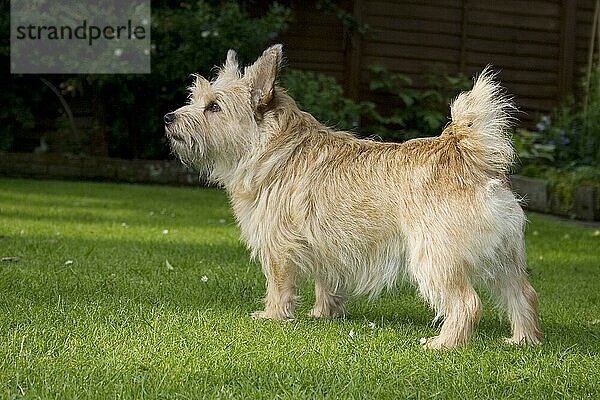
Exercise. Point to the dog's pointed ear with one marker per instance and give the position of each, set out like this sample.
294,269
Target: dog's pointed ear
231,61
262,76
231,68
199,85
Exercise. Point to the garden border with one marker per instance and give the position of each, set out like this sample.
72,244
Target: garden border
67,166
538,195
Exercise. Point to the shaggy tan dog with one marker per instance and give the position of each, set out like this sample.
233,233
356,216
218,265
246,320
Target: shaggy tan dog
354,214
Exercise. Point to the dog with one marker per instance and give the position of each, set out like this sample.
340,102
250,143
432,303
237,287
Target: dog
355,214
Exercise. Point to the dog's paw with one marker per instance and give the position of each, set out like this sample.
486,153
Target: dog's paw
320,313
436,343
262,314
519,340
258,315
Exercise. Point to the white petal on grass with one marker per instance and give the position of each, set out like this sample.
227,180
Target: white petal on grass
423,340
69,262
168,265
204,278
165,231
351,333
372,325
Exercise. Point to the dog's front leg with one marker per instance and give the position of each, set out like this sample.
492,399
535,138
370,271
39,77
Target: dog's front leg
280,300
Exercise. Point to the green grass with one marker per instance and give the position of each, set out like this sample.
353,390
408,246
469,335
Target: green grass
92,309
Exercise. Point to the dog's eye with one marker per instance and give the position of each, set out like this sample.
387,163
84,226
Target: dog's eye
213,107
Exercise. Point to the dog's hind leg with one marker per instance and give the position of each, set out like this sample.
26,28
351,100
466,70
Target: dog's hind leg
280,300
327,302
516,295
442,280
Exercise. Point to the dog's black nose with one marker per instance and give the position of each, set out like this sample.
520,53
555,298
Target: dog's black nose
169,118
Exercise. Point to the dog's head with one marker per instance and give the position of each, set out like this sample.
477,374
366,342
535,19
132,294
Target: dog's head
219,125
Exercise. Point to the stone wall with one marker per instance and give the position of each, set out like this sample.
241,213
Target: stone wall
59,166
537,195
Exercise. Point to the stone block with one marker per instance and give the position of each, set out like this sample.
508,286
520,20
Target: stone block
533,191
585,200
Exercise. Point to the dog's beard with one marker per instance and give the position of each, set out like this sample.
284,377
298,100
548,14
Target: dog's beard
192,153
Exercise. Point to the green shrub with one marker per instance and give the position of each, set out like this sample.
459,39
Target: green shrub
191,38
187,37
15,118
574,127
423,112
565,148
532,149
323,97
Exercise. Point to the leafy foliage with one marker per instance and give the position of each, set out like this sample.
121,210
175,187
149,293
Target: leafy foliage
191,38
186,37
531,148
422,112
323,97
572,131
564,150
18,116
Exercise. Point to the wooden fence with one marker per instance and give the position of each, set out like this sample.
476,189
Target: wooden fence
541,47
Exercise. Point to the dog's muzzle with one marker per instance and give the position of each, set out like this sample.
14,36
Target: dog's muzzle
169,118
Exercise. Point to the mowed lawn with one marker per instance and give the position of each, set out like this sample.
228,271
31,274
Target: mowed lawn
126,291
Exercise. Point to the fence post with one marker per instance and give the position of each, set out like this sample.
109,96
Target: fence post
352,55
464,24
568,22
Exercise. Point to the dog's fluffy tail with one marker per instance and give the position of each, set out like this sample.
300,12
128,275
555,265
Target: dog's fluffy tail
481,118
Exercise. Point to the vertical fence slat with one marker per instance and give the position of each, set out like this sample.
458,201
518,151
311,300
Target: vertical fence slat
567,48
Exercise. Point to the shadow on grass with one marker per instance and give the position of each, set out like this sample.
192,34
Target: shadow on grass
578,338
